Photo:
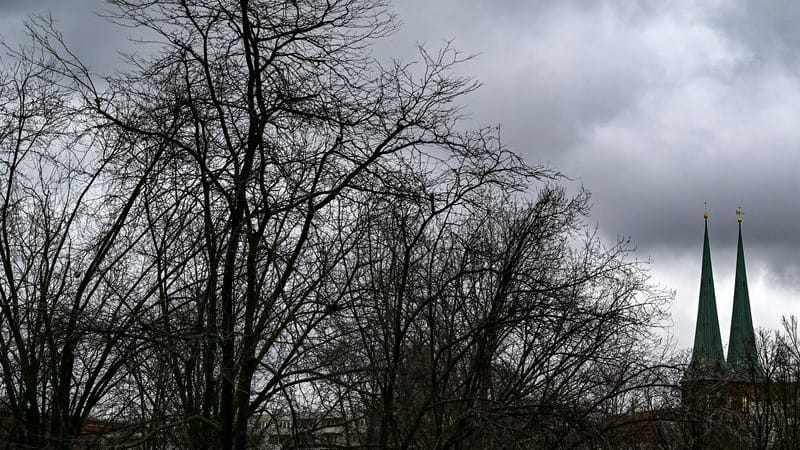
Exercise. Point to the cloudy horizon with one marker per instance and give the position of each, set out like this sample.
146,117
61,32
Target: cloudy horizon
654,107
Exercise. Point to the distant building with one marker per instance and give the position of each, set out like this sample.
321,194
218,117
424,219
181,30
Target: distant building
708,362
717,390
309,430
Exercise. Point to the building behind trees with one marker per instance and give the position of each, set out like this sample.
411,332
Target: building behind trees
747,400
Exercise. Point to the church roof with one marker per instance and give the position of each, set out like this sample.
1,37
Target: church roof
742,356
708,361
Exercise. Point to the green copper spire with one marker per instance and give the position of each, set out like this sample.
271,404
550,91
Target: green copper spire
742,357
708,361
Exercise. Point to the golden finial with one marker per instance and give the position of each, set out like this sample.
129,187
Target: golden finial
705,210
739,214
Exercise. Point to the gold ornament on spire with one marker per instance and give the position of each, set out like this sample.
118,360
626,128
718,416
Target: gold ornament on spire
739,214
705,210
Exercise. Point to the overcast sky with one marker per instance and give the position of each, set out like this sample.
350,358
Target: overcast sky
655,107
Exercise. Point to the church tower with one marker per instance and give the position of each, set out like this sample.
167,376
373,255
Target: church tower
742,357
711,386
708,360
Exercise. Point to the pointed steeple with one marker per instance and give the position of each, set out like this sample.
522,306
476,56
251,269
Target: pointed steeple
708,361
742,357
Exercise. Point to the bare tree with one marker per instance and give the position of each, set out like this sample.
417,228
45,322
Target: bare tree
275,127
256,219
71,286
479,322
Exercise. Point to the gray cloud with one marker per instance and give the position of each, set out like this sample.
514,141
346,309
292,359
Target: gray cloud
23,7
768,28
88,34
549,69
654,106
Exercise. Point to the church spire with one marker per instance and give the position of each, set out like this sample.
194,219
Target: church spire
708,361
742,357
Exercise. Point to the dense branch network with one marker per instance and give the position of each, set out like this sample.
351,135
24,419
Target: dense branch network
256,221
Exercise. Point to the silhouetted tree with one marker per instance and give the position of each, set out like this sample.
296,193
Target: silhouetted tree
480,322
258,220
72,290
